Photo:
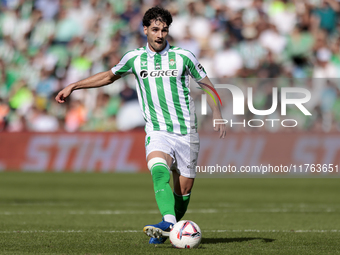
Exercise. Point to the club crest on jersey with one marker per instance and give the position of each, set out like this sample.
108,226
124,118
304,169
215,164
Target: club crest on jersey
172,62
158,73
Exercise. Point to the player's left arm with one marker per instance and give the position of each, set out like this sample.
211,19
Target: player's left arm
197,72
206,84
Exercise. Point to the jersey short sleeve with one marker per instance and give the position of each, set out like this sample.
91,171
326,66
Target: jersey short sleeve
125,65
195,69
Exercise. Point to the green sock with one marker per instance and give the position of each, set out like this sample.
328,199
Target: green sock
163,192
181,205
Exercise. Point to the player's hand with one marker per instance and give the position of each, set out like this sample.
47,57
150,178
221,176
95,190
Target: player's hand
222,128
63,94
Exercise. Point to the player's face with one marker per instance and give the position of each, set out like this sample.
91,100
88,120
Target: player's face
156,34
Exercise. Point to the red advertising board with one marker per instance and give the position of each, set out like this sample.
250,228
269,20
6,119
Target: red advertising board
125,152
94,152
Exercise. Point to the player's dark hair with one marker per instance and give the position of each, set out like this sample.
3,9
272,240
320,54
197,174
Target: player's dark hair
157,13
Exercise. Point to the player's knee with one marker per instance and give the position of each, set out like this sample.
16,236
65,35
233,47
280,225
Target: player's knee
185,191
159,170
184,185
154,161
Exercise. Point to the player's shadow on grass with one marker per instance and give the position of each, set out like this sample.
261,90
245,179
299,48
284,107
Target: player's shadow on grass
231,240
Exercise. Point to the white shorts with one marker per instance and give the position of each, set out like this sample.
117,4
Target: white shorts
182,148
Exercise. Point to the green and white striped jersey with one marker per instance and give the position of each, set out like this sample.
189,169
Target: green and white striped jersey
162,81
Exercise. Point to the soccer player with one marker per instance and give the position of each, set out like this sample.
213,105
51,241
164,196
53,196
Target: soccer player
162,79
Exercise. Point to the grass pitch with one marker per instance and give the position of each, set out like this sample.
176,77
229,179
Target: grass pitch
66,213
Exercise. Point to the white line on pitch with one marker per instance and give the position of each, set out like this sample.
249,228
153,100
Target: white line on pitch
128,204
277,231
139,231
193,211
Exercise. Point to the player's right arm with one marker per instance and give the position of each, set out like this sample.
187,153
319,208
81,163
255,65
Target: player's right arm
94,81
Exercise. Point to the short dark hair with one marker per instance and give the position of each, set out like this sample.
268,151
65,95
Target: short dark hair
157,13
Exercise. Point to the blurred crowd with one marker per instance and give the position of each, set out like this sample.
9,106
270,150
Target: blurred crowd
47,44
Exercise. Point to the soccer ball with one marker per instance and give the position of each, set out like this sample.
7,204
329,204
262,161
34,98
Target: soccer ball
185,234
